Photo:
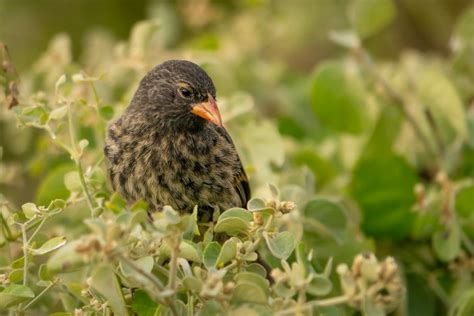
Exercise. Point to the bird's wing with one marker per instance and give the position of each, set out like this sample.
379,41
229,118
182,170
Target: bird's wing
240,180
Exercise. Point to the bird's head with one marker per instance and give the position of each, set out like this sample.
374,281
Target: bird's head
180,92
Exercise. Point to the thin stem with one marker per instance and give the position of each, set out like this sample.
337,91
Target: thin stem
36,231
436,132
317,303
25,253
154,280
260,238
96,107
77,161
39,295
174,263
72,136
301,301
467,242
438,289
80,171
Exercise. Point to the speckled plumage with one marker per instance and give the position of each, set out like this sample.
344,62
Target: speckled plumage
161,152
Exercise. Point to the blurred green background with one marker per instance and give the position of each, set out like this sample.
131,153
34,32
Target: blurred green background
369,102
289,39
300,41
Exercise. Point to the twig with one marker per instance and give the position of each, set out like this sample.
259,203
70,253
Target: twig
398,100
436,132
77,161
84,187
257,241
36,230
174,263
154,280
318,303
39,295
25,253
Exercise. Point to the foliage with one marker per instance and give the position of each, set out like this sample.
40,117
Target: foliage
367,156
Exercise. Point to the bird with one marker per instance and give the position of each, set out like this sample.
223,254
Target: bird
169,147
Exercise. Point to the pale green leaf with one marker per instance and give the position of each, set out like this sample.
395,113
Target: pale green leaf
370,16
30,210
58,113
50,245
282,245
15,294
105,282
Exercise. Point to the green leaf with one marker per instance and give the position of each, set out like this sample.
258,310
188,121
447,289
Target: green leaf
187,250
447,242
232,226
50,245
383,187
274,190
323,170
326,212
370,16
320,285
337,98
385,133
440,96
294,193
256,268
106,112
105,282
116,203
30,210
142,304
249,277
58,113
212,308
211,254
302,258
228,252
249,292
61,80
464,305
52,186
144,263
15,294
83,143
192,283
250,309
43,273
66,258
258,205
463,34
282,245
237,212
72,181
283,290
16,275
464,202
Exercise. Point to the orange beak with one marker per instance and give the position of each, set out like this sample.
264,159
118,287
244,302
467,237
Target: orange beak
208,110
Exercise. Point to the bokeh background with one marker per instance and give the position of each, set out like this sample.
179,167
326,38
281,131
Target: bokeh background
373,108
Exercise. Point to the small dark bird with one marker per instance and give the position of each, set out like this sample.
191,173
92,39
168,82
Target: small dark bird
170,148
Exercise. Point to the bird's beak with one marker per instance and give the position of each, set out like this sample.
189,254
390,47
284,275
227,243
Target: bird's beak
208,110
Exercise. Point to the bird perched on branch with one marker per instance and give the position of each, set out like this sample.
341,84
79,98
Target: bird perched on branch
170,148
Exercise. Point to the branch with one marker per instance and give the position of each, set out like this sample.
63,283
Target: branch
398,100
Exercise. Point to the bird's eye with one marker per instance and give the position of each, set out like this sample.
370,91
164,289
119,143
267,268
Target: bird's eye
185,93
